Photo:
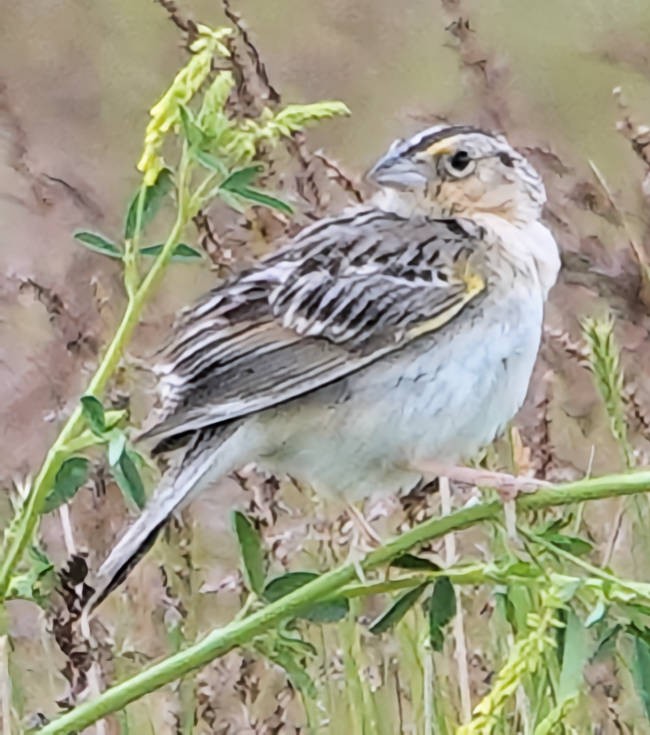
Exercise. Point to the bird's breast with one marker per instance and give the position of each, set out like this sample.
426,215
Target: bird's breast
441,399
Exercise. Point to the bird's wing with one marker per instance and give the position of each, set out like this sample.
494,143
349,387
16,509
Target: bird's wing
345,292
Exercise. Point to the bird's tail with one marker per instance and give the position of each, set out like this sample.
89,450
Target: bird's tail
212,453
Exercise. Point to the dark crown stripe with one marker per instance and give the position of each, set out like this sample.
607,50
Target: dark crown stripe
423,140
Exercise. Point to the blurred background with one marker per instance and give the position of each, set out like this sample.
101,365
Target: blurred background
76,83
77,80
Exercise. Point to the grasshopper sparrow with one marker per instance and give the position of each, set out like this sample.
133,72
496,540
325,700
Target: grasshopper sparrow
378,344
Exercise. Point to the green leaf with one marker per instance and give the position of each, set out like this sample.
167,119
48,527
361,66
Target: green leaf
113,416
567,589
641,671
93,412
98,244
327,611
290,658
116,446
289,638
637,607
575,653
553,525
397,610
210,162
241,178
259,197
154,196
181,252
597,614
286,583
606,645
193,133
128,478
251,552
518,605
231,200
410,561
518,568
71,476
296,672
442,608
37,583
572,544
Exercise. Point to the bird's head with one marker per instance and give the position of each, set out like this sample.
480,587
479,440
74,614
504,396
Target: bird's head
458,170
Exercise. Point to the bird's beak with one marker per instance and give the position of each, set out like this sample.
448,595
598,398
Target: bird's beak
398,172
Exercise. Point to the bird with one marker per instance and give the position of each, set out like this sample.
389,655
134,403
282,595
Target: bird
377,346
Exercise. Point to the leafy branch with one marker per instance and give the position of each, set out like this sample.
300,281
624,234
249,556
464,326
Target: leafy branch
215,159
243,631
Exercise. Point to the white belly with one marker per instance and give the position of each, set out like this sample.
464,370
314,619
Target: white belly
360,435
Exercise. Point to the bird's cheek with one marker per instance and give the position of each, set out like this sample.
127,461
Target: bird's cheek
473,189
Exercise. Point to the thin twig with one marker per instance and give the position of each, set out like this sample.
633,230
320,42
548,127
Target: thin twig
429,678
94,672
636,247
181,22
66,527
616,530
460,652
5,686
258,65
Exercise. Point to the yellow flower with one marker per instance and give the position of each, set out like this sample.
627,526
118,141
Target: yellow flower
525,657
164,114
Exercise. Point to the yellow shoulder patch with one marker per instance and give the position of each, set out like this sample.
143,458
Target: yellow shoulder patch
474,285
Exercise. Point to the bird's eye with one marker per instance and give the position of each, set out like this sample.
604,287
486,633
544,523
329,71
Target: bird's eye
460,160
460,164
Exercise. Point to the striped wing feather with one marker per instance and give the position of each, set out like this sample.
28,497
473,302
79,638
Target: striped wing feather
345,292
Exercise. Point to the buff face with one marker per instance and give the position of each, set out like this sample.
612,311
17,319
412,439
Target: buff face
455,170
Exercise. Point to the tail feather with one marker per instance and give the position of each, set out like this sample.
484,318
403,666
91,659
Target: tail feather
122,559
211,455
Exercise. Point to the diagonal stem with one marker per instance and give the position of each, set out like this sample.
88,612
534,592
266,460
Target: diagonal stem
21,531
239,632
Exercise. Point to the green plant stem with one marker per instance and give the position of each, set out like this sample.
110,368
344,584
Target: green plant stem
200,193
594,571
239,632
131,248
474,574
21,531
